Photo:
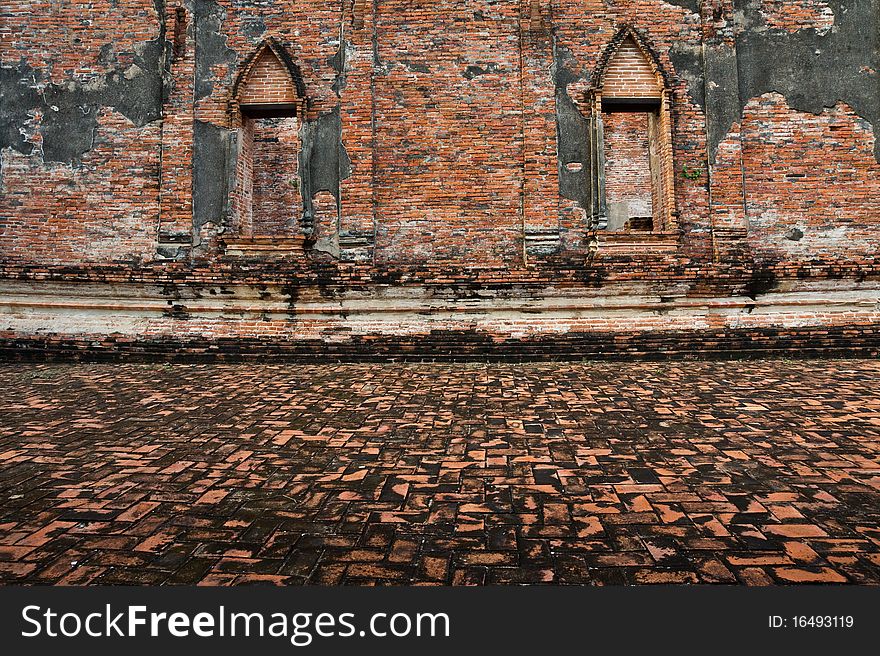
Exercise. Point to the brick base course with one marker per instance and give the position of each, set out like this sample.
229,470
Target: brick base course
817,341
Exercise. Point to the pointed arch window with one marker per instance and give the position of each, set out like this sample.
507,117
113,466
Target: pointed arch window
631,137
268,106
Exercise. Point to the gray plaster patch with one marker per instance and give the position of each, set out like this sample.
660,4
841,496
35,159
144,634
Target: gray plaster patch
795,234
474,70
18,100
339,63
211,47
213,163
691,5
813,69
572,133
70,111
323,160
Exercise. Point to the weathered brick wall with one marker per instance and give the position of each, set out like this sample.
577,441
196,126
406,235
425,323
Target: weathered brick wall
809,205
628,172
449,132
794,15
81,109
276,204
429,149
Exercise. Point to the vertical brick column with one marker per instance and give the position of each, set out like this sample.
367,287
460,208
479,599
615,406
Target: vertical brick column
664,159
540,171
723,123
243,195
357,112
175,195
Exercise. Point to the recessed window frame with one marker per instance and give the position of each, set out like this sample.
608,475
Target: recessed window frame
660,135
243,114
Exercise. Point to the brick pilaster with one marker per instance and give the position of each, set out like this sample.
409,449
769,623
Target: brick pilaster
175,196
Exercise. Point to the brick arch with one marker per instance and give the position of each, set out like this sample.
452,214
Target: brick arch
268,79
622,41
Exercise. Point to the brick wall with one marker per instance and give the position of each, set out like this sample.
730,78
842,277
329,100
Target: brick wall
809,204
85,195
628,183
450,78
431,132
242,202
793,15
276,204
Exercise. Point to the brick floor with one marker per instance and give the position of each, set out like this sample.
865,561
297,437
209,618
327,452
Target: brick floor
754,472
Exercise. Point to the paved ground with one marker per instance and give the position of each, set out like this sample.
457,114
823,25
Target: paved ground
734,472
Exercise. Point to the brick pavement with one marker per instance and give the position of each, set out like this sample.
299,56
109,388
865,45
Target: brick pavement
753,472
